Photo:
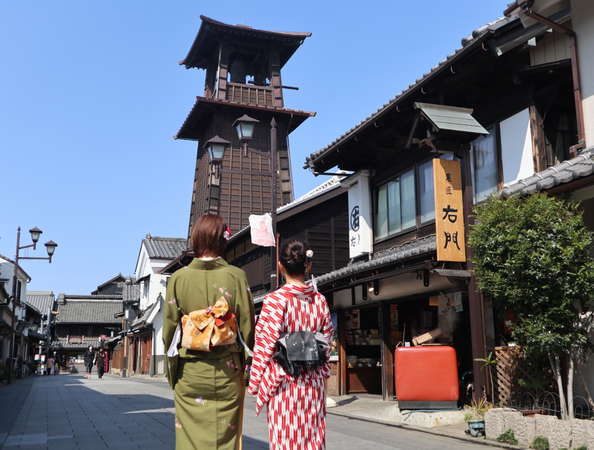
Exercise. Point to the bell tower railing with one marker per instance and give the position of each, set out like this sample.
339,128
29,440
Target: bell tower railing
248,94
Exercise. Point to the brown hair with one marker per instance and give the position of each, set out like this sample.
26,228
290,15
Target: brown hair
208,236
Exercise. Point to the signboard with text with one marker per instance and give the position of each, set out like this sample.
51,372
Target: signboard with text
449,211
360,230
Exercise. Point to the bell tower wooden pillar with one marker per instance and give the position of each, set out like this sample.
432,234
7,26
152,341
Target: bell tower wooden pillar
243,78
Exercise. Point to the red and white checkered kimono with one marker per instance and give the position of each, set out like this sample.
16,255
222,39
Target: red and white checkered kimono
296,406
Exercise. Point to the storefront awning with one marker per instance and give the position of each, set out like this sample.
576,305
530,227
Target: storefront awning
451,118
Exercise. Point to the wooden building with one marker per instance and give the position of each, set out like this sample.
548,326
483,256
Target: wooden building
243,77
501,109
83,321
318,218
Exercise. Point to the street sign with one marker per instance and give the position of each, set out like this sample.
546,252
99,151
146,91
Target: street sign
449,211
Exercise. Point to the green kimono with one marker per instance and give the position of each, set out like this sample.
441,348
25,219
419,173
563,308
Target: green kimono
208,386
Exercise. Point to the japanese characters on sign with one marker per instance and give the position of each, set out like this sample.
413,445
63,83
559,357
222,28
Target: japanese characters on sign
360,231
449,211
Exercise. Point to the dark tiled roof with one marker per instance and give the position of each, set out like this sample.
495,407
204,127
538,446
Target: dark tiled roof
207,38
89,309
164,248
393,255
477,38
131,292
41,301
570,170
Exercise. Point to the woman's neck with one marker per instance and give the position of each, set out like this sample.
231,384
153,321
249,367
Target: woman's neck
299,280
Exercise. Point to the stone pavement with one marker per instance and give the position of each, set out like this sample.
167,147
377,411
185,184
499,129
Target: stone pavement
70,412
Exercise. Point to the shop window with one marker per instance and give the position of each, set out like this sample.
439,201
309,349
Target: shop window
484,166
395,208
426,197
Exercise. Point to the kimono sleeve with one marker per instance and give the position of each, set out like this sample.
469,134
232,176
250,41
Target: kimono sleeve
328,332
245,311
268,330
171,317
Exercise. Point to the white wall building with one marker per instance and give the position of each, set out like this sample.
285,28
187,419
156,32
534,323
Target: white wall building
155,253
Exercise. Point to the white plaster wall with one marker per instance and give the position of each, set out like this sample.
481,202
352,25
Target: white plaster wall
158,326
7,272
516,147
582,17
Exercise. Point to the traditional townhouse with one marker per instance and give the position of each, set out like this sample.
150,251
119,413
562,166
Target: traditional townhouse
83,321
145,353
12,313
43,308
502,113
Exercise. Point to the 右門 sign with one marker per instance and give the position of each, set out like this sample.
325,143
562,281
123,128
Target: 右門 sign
449,211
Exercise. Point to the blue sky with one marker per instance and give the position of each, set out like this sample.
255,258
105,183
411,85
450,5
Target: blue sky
91,95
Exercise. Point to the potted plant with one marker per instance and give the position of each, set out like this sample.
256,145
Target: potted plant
474,416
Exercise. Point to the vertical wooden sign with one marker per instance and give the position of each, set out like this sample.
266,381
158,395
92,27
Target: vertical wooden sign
449,211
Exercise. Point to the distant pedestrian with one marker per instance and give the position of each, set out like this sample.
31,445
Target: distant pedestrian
50,365
89,359
102,362
294,394
208,383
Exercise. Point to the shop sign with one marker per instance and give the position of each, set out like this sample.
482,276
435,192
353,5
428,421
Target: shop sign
449,211
360,231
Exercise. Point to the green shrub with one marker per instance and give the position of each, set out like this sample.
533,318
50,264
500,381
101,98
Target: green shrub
581,447
508,437
540,443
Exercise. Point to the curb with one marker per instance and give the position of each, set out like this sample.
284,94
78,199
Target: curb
484,442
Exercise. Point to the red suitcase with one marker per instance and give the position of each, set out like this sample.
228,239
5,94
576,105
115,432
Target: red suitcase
426,377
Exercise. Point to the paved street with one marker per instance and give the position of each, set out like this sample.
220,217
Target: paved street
71,412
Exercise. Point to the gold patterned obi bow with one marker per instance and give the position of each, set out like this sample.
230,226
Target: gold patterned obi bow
211,327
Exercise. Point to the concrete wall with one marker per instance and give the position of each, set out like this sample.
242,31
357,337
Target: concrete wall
582,17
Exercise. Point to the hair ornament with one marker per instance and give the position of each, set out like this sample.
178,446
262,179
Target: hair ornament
227,233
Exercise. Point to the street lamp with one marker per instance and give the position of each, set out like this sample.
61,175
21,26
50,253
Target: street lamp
244,126
35,234
51,248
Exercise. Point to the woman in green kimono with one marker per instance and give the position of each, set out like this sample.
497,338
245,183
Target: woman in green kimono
208,385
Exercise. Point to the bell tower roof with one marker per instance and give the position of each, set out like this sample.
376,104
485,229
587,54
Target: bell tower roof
212,32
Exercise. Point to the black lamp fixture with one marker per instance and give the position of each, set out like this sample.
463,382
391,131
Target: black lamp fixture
216,147
373,287
50,246
244,126
35,235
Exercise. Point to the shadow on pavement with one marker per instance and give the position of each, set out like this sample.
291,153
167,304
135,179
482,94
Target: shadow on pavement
63,408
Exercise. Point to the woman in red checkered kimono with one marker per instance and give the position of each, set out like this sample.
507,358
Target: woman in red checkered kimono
296,406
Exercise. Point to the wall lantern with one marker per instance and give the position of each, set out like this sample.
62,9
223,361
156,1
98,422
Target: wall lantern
216,148
245,127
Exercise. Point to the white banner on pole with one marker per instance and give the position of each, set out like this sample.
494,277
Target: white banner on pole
261,230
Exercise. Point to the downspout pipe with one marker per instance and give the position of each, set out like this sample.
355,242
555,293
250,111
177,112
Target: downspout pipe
526,9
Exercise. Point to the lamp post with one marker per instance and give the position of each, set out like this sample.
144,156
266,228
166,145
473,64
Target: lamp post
244,126
50,248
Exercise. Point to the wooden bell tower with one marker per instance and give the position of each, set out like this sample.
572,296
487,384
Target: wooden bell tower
243,81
